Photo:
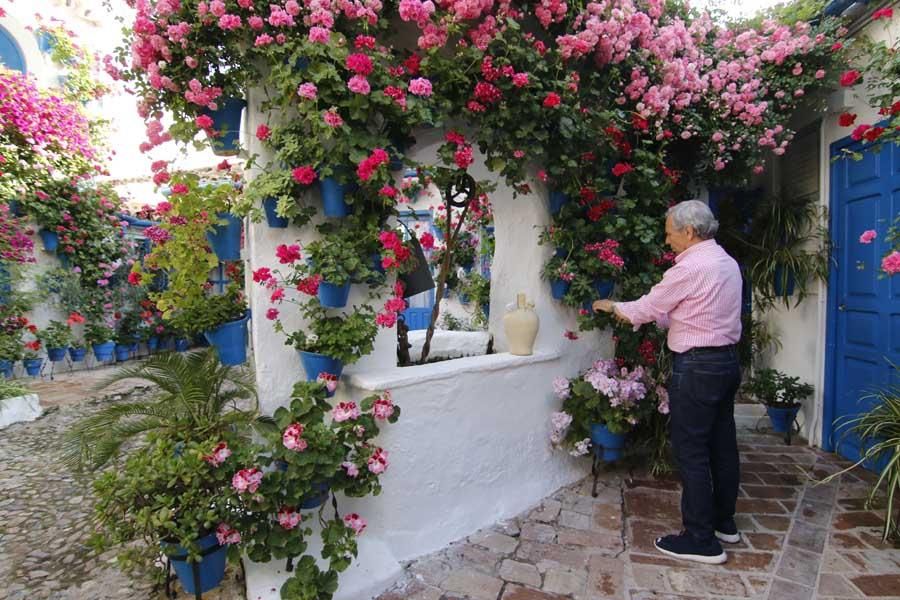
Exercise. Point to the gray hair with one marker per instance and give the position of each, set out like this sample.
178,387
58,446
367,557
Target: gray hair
694,214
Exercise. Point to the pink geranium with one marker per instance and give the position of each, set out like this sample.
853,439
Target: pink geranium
378,462
420,87
890,264
867,236
287,253
355,522
383,407
247,480
345,411
226,535
291,438
219,454
289,517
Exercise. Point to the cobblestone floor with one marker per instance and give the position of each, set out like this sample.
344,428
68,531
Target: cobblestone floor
45,510
800,542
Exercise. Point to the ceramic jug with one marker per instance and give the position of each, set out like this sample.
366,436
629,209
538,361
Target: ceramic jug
521,326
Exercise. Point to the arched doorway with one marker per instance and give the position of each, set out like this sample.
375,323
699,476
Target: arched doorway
10,53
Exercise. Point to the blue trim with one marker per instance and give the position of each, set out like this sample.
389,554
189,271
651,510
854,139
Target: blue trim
11,53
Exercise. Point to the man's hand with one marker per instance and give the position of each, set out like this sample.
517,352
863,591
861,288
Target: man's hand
603,306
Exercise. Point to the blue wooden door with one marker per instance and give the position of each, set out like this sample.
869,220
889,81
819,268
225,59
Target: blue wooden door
10,53
863,305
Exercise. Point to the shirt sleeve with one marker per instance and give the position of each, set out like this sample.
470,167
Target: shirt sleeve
660,300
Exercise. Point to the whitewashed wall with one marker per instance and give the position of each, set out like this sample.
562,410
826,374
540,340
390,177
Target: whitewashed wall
459,461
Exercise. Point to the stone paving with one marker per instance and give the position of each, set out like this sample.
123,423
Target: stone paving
45,510
800,541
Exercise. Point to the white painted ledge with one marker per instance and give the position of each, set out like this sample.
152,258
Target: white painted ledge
449,344
19,410
399,377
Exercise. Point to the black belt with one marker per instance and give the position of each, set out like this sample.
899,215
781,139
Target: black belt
705,349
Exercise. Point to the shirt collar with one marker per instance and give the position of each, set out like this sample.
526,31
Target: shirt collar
696,247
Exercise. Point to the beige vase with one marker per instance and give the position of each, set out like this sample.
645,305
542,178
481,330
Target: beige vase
521,326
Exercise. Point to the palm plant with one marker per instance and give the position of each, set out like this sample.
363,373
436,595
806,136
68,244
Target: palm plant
197,397
878,430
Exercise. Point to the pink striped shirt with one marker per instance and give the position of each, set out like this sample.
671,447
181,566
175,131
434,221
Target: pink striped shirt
698,299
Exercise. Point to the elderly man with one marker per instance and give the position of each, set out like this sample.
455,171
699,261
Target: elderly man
699,300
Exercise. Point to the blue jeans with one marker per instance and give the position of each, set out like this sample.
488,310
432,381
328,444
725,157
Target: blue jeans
704,440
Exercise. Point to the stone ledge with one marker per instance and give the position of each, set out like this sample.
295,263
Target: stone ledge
398,377
19,409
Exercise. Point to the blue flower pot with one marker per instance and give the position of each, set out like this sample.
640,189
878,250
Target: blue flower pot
486,309
467,268
153,343
314,364
607,445
376,264
783,285
782,418
123,352
558,288
333,194
227,121
104,351
333,296
182,344
226,239
272,217
210,568
6,367
33,366
318,496
604,288
45,41
77,354
561,253
56,354
230,341
557,200
395,152
15,209
63,260
50,239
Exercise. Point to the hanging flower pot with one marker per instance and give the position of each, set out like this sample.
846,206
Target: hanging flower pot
272,218
77,354
230,341
317,497
6,367
314,363
782,418
33,366
123,352
226,239
56,354
152,343
557,200
784,283
227,122
15,209
420,279
333,296
333,193
182,344
559,288
604,288
50,239
607,445
104,351
204,575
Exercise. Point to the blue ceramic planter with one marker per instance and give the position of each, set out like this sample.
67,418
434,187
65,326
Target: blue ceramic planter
333,296
50,239
15,209
603,288
56,354
558,288
45,41
230,341
123,352
152,343
77,354
333,194
210,568
272,217
557,200
33,366
226,239
104,351
314,364
6,367
182,344
227,122
317,497
782,418
607,445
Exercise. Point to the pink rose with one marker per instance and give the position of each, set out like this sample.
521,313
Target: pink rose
291,438
890,264
345,411
247,480
420,87
867,236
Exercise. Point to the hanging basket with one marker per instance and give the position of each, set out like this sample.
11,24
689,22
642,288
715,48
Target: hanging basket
230,341
226,239
420,279
227,123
